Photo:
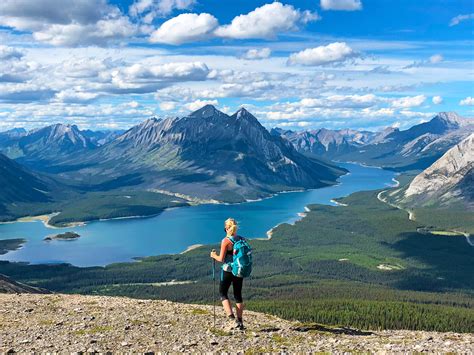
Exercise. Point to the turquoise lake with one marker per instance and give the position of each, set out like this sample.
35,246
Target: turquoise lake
105,242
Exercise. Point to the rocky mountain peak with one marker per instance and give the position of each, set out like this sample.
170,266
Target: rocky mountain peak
207,111
450,120
243,115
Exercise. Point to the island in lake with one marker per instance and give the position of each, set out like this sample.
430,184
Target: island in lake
63,236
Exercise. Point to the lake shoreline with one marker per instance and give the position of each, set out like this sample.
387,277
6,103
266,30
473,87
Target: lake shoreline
269,233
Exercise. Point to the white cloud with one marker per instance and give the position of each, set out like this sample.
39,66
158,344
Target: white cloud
266,22
434,59
73,96
150,9
167,105
437,100
253,54
342,101
100,33
468,101
7,53
460,18
409,101
333,53
185,28
437,58
196,105
140,78
345,5
75,23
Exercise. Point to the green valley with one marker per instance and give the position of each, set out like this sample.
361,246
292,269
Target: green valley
363,265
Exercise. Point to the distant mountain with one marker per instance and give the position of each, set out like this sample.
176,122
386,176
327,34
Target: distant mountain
209,155
325,142
99,138
12,133
46,146
449,180
17,184
414,148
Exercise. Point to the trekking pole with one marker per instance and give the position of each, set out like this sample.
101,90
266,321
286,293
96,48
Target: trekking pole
214,289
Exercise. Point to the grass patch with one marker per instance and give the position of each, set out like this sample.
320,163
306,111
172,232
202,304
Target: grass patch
93,330
199,311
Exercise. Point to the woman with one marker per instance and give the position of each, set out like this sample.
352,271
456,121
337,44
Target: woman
227,278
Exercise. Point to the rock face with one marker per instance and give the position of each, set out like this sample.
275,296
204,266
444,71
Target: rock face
450,178
209,154
8,285
18,184
73,323
414,148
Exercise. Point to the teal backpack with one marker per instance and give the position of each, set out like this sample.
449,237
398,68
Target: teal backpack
242,257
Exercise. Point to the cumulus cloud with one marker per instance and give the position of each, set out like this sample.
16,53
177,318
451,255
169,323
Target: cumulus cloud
253,54
468,101
437,100
185,28
140,78
22,93
345,5
354,101
167,105
409,101
8,53
100,33
73,96
75,23
334,53
196,105
266,22
460,18
150,9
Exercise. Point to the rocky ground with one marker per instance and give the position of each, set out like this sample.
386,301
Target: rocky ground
73,323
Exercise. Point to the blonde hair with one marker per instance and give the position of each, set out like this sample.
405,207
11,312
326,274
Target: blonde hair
231,226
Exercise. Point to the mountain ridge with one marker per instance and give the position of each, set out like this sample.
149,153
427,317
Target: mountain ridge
211,154
450,179
76,323
414,148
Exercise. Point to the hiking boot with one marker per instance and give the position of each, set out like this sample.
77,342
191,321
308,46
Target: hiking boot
230,325
240,325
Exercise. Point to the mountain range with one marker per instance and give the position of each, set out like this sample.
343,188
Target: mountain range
414,148
207,155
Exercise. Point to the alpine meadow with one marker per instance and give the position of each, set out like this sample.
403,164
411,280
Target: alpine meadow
237,176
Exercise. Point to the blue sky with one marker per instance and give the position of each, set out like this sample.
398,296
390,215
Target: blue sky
305,64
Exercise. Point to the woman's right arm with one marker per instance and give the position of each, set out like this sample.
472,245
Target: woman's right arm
220,258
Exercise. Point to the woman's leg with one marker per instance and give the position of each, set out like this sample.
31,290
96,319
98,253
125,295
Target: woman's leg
226,280
237,285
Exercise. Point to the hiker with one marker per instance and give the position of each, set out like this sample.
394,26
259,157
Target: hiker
228,272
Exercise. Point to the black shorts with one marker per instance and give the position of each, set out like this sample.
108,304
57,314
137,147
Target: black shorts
227,278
